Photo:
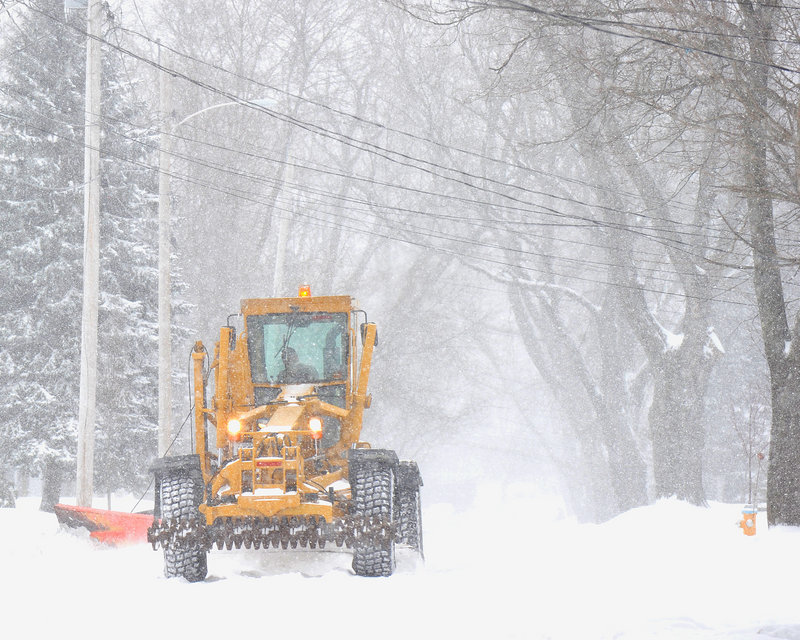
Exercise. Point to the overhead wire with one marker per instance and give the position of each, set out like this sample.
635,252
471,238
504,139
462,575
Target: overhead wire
382,126
574,220
584,220
590,221
501,224
672,29
483,222
581,263
317,103
617,192
428,140
344,139
424,232
461,177
603,26
319,167
364,120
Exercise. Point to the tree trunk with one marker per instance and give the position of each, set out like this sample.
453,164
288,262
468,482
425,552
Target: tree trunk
783,359
52,479
629,471
783,479
677,429
612,464
7,497
626,467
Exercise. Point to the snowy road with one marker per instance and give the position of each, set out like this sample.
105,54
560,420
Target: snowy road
669,571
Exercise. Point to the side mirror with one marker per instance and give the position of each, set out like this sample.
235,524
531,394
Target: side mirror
364,333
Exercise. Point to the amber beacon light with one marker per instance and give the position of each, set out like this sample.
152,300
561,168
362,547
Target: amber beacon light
305,291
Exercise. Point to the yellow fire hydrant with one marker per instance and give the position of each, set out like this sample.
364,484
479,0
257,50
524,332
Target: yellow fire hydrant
748,522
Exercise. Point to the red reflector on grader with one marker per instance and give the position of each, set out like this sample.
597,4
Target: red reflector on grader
269,463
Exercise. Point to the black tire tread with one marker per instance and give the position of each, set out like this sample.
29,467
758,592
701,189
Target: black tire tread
409,518
373,496
180,497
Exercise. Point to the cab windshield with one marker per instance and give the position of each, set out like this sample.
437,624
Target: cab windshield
291,348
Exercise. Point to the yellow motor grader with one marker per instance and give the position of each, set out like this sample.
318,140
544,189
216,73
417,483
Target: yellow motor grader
278,457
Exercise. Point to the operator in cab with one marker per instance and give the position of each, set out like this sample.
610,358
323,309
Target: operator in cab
294,370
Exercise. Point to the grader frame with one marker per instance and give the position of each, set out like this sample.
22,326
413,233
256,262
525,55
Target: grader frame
289,466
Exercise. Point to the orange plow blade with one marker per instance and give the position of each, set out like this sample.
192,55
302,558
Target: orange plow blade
110,527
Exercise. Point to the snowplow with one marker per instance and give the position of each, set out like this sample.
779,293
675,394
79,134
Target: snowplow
279,461
108,527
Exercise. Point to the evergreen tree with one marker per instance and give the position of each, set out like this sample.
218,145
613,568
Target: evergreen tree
41,135
127,401
41,235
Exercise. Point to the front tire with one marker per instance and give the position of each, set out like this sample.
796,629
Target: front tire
184,556
372,484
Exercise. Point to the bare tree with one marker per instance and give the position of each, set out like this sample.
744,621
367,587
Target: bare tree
761,156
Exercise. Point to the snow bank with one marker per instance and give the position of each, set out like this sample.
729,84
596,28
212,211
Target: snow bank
514,568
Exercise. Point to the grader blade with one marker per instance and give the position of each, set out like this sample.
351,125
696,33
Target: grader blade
109,527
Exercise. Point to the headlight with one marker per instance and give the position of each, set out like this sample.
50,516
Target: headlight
315,425
234,427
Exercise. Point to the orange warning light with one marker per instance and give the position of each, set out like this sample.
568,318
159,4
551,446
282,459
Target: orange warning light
305,291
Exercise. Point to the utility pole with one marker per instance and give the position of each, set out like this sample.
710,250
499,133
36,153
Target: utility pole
164,282
91,258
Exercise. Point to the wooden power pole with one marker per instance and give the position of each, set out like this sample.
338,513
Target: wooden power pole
164,286
91,258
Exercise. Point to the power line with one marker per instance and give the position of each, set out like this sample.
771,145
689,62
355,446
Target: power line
388,235
362,145
603,26
270,112
358,228
481,222
616,190
541,208
407,160
584,220
420,164
383,126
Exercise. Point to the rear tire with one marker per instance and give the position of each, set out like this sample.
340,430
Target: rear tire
409,519
409,506
372,484
183,557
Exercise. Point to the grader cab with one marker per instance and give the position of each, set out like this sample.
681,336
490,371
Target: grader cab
278,457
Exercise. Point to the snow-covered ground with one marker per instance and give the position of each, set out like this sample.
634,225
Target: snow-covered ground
514,568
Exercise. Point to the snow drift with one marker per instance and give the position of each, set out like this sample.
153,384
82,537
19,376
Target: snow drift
511,569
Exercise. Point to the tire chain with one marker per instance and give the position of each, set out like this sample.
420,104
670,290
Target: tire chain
408,517
373,500
283,532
